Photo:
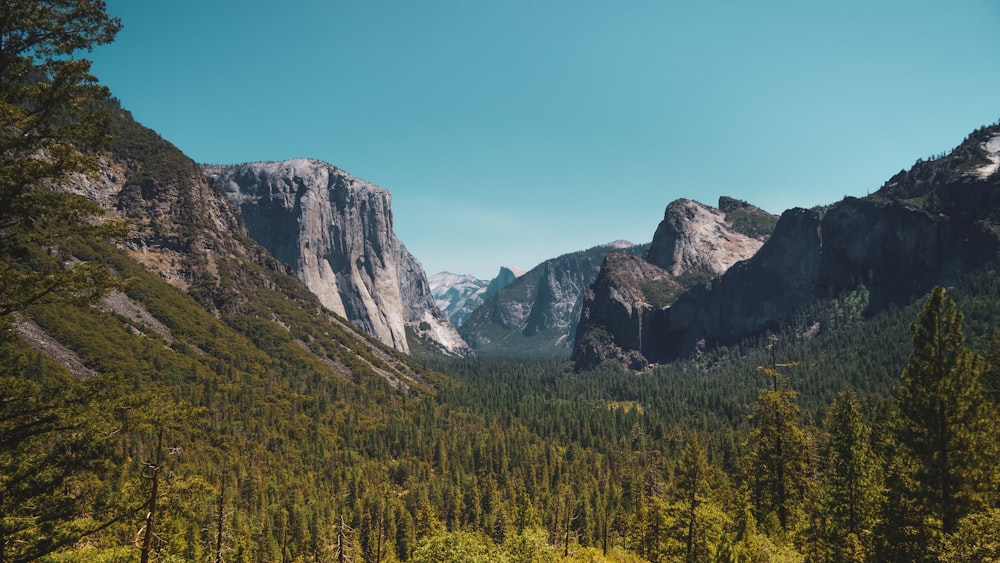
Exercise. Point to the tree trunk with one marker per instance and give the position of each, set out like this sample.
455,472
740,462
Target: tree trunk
147,543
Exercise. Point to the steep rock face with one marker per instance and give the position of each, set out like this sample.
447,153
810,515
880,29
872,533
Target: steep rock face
697,238
335,231
622,313
504,277
925,227
784,275
537,314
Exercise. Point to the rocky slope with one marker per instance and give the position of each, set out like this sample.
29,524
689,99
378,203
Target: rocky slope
621,317
537,314
335,232
697,238
506,276
458,295
182,228
227,290
927,226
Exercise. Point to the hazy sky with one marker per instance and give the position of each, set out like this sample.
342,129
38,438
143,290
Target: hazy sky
512,131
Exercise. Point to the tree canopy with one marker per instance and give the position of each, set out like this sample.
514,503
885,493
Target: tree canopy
51,113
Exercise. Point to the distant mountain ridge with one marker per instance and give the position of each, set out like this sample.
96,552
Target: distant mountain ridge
458,295
537,314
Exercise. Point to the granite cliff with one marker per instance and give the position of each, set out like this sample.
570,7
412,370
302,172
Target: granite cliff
622,312
335,232
926,226
186,232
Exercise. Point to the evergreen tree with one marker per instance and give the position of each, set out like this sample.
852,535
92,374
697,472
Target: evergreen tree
942,426
851,487
692,484
50,112
777,463
50,453
991,371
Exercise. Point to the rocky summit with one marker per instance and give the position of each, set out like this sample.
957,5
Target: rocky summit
926,226
336,232
694,237
621,317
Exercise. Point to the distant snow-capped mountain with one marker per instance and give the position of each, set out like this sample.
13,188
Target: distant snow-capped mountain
458,295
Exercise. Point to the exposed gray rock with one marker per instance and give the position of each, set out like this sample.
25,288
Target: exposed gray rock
620,312
537,314
694,237
504,277
622,316
895,250
458,295
336,232
926,226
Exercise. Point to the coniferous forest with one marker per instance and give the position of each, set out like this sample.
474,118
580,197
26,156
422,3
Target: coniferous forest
272,432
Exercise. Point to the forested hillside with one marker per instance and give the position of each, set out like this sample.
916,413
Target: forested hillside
168,392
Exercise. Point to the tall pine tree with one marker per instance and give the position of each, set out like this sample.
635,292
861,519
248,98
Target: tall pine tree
851,487
778,460
943,422
50,115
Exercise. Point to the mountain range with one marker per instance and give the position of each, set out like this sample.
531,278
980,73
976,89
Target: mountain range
926,226
536,314
458,295
273,328
194,237
724,276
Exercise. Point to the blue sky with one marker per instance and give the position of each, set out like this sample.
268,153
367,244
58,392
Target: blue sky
512,131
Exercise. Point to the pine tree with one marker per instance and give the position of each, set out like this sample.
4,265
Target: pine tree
991,371
851,486
942,426
50,450
692,482
778,456
50,113
699,521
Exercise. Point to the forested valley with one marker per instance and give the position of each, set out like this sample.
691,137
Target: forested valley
821,442
234,419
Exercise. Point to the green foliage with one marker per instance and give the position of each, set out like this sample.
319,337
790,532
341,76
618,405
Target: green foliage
943,428
850,491
752,223
51,427
976,538
454,547
47,114
778,455
54,432
521,460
